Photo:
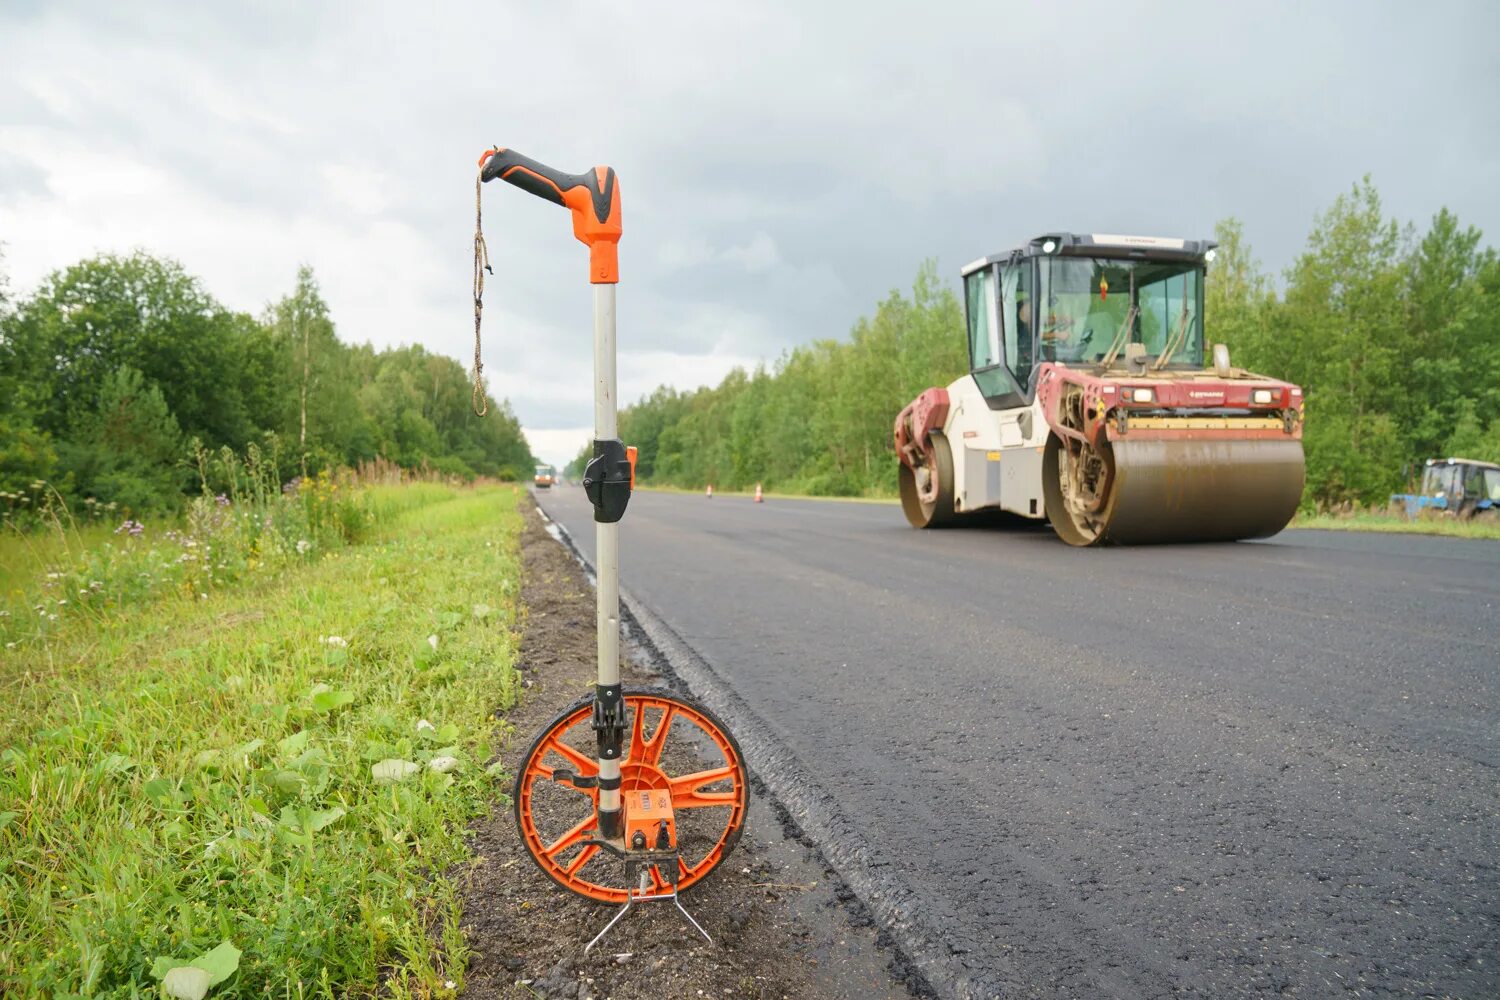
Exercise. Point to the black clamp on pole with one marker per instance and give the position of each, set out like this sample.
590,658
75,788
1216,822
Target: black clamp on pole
606,480
609,733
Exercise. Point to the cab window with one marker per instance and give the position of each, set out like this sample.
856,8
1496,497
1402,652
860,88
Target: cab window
984,339
1018,305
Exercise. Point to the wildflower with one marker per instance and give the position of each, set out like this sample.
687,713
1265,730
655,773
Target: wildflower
302,546
221,500
424,724
432,641
95,585
10,645
130,527
61,601
202,597
52,618
336,641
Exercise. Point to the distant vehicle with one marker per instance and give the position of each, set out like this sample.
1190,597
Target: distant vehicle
1462,487
546,476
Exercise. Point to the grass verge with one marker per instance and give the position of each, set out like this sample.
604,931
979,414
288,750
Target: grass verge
1397,524
285,766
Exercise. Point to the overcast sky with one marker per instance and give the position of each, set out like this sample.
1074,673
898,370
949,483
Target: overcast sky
783,166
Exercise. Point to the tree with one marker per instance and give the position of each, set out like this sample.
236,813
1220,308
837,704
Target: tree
109,312
129,450
1340,334
1239,300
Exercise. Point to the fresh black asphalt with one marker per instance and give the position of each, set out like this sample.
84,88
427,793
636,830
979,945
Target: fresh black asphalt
1243,769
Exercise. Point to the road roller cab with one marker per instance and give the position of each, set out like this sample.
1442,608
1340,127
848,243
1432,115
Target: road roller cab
1089,403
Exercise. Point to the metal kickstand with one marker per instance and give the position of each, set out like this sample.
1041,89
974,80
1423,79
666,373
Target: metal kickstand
642,869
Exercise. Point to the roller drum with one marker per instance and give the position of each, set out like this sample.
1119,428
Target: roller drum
1201,490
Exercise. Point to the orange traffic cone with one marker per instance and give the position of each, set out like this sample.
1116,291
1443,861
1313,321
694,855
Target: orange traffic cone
710,493
758,497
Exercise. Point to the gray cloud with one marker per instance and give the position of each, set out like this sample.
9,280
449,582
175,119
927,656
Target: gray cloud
783,165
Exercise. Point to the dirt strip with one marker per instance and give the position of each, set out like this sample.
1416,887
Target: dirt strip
773,913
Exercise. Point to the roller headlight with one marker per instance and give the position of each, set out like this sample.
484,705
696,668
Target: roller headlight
1142,395
1261,397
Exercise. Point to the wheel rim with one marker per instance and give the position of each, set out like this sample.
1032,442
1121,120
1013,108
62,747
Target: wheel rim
1078,490
672,744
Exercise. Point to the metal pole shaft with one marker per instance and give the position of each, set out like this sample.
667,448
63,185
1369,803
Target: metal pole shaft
607,536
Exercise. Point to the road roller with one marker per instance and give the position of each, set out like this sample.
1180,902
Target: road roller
1093,401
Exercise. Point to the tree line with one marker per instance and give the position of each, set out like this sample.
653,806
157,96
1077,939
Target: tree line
1394,336
112,367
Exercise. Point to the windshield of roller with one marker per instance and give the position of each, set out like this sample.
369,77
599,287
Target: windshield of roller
1087,303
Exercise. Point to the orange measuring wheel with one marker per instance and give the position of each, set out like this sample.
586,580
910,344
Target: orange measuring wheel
674,745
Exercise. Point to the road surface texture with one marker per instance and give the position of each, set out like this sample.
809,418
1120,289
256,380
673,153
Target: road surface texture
1217,770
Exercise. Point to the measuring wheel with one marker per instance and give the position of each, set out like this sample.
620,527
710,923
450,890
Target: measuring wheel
625,797
674,747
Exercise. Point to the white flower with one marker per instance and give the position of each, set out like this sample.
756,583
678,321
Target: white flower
432,641
424,724
202,597
302,546
61,601
10,645
336,641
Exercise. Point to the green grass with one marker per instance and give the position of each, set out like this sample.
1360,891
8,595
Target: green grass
1398,524
24,556
188,770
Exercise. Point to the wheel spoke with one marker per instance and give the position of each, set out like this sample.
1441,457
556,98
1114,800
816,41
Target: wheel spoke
685,794
582,762
567,840
650,752
589,850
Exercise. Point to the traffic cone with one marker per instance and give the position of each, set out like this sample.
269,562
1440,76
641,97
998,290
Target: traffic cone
758,497
710,493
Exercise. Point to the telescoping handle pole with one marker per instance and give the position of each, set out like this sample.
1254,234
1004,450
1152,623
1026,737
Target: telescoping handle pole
593,198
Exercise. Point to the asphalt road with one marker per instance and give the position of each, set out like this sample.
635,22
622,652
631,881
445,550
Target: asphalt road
1216,770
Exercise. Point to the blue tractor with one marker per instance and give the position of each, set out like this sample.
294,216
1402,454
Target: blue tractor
1460,487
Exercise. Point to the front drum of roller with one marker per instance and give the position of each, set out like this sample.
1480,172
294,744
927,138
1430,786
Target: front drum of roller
1202,491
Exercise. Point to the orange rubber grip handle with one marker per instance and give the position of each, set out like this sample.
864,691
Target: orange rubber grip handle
592,197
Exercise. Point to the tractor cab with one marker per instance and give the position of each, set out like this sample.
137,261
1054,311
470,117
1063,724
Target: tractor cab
1459,486
1084,301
